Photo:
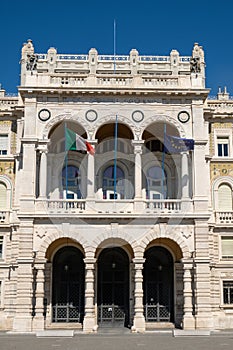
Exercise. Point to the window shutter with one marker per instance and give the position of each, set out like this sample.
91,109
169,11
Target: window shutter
3,196
3,142
224,198
227,247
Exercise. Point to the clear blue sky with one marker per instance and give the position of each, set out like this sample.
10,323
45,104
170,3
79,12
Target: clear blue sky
150,26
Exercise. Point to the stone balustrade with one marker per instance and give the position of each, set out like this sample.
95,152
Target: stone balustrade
224,217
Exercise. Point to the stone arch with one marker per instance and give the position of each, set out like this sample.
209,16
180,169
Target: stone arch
115,233
62,117
112,118
171,234
228,180
6,181
164,119
53,236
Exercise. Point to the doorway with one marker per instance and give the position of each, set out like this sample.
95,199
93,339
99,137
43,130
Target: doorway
113,288
158,285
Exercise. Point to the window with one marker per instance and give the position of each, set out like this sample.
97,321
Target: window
3,196
227,247
224,197
223,146
108,183
156,183
228,292
1,247
70,182
3,144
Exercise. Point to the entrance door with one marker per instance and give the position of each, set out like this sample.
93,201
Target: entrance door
113,288
158,285
68,285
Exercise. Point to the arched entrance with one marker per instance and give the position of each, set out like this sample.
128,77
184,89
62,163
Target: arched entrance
113,288
68,285
158,285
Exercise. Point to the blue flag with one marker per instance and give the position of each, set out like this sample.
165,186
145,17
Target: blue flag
174,144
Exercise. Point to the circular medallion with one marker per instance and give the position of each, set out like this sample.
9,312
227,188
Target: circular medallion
137,116
91,115
183,117
44,114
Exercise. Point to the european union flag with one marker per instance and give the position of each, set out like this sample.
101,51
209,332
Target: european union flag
174,144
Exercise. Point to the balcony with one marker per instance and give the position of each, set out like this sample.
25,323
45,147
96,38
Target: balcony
124,208
224,217
4,217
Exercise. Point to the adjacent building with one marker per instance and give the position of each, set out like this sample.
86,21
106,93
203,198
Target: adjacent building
138,234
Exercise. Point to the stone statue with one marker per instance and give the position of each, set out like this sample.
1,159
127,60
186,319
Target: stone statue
31,62
195,66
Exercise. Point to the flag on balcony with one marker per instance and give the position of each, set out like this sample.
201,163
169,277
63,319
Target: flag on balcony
174,144
75,142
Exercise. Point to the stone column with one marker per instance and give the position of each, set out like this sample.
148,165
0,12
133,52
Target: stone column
185,176
188,319
186,201
89,323
38,283
138,175
139,319
43,174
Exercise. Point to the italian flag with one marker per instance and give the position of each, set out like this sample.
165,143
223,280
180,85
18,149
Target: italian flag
75,142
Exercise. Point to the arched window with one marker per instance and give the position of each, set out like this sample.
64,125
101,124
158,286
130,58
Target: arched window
71,182
156,183
224,197
108,183
3,196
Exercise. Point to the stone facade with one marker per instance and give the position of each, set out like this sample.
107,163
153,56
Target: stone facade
137,235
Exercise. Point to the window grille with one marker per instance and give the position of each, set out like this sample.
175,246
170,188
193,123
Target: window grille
228,292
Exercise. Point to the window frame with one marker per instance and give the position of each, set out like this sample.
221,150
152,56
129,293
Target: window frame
225,133
223,304
227,258
7,144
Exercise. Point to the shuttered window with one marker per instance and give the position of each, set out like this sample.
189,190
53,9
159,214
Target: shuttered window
224,198
227,247
3,196
3,144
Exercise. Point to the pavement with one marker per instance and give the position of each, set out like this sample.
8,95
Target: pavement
117,340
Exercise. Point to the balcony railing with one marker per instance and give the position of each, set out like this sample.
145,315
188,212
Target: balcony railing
224,217
4,217
106,206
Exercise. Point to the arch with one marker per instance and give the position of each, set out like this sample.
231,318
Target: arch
163,119
6,182
227,180
63,117
111,118
59,234
170,234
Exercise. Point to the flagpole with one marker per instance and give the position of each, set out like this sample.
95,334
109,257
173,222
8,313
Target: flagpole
66,163
163,159
115,157
114,44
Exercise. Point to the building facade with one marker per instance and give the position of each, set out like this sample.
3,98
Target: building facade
138,235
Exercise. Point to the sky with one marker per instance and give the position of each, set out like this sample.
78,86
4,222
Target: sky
152,27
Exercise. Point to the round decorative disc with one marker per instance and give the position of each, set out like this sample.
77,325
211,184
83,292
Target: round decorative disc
44,114
183,117
91,115
137,116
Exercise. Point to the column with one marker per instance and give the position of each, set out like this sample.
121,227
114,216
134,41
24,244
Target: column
89,323
188,318
186,201
185,176
90,176
38,284
43,174
138,175
139,319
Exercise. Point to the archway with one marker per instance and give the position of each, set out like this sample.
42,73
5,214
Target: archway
158,285
113,288
68,285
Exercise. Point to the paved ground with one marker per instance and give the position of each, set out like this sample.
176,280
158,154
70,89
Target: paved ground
116,341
